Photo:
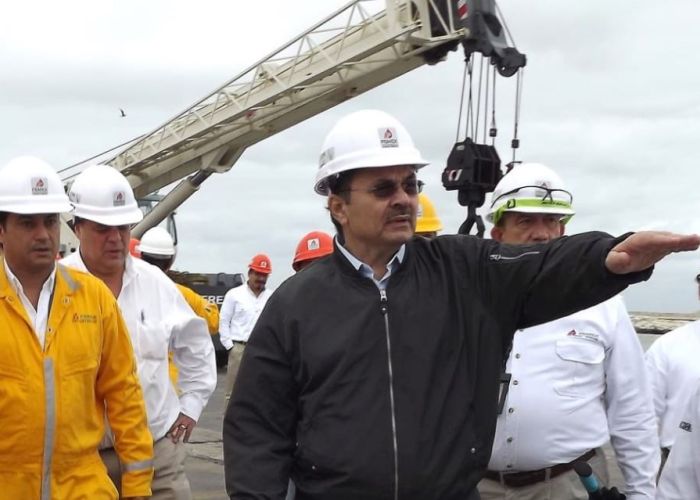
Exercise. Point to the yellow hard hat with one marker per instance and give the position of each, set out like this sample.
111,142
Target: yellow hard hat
427,220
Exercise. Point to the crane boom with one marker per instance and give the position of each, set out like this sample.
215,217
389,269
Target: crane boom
349,52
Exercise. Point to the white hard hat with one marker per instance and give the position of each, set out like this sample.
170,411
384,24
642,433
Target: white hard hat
531,188
364,139
29,185
102,194
157,241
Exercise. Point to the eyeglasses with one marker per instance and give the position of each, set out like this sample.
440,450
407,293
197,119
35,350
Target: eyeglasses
545,194
102,228
386,188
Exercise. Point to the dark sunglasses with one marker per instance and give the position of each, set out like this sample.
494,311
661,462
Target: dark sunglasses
387,189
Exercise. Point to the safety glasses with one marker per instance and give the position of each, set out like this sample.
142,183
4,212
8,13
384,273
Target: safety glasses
544,194
387,188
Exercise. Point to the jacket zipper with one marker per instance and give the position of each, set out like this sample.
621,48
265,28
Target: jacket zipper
384,308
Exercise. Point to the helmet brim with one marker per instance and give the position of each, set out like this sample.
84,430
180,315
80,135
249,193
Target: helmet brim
58,207
131,217
533,210
321,186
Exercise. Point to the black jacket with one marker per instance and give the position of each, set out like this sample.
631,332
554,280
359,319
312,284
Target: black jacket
355,396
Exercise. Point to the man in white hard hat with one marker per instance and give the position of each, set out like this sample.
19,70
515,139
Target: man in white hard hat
65,358
374,373
575,383
158,249
157,317
680,478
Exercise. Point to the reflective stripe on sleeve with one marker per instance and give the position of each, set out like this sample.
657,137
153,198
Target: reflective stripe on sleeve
137,466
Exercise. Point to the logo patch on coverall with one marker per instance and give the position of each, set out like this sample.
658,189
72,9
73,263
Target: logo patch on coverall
686,426
84,318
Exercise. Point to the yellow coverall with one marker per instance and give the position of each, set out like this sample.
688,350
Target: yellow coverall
202,308
53,401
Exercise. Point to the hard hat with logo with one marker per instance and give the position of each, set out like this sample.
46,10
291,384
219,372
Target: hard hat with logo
365,139
531,188
134,248
157,241
102,194
312,246
261,263
427,220
29,185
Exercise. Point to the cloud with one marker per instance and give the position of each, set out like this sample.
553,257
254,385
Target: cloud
610,101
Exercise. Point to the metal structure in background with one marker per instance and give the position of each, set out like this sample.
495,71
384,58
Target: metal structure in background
349,52
473,167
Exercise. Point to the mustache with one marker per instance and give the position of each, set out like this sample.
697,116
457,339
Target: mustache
400,212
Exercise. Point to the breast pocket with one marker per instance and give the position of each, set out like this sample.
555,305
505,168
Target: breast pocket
153,340
580,371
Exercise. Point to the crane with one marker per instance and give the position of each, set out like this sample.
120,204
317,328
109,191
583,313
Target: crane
347,53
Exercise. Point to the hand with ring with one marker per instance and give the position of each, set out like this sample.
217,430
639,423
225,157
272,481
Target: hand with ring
181,428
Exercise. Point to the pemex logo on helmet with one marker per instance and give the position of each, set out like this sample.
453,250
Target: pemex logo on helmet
119,199
387,137
313,244
40,185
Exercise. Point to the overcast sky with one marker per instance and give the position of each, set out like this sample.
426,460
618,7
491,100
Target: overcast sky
610,101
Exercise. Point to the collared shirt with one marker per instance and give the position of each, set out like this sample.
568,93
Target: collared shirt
159,320
239,312
672,363
367,271
38,317
578,382
680,478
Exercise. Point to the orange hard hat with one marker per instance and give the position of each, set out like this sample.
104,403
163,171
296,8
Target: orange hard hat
134,248
313,246
261,263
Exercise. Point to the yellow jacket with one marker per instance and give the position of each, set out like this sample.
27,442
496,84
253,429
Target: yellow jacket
202,308
52,401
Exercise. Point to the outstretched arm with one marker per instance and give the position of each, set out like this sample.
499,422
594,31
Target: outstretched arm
642,250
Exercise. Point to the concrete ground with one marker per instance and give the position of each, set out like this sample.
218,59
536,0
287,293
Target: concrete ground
205,461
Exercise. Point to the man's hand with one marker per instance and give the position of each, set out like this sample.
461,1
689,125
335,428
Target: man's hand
642,250
182,427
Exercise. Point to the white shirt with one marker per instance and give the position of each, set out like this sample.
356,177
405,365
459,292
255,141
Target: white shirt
680,479
673,364
367,271
159,320
578,382
239,312
39,317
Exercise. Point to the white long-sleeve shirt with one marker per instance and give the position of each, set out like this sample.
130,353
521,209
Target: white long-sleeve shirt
578,382
239,312
680,479
38,317
159,320
674,368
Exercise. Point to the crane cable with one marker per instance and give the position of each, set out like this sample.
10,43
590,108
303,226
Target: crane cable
515,142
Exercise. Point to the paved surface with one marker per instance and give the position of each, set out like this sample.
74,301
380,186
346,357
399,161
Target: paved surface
205,461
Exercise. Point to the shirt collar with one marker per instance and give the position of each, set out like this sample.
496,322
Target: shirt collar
367,270
17,285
